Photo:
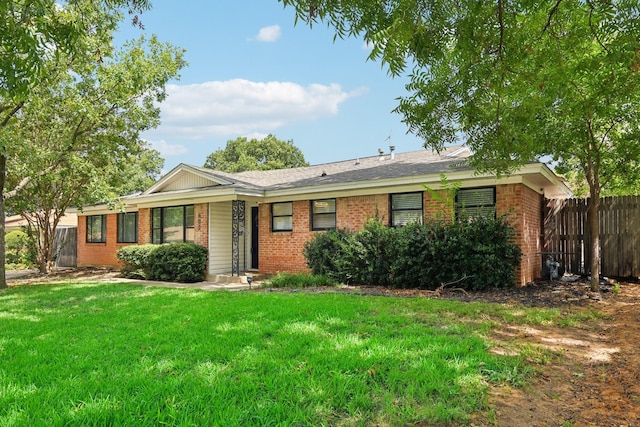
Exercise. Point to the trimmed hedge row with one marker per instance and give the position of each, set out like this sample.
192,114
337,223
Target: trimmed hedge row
173,262
473,254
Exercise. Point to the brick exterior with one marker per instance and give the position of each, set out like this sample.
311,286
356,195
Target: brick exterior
435,207
201,224
353,212
104,254
282,251
523,208
99,254
144,226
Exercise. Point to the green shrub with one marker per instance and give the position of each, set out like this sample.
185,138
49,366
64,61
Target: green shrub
472,254
19,249
178,262
370,254
136,260
326,254
299,280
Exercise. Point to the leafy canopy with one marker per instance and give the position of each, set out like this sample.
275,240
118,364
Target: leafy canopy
515,81
268,153
44,42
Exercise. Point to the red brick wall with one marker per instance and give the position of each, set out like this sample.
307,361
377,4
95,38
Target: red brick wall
144,226
523,207
435,207
99,254
104,254
353,212
201,224
282,251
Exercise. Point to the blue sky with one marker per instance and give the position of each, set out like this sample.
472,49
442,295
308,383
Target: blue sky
253,72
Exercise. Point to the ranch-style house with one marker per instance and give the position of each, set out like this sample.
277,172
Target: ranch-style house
258,221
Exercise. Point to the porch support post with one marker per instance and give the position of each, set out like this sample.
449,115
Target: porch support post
237,230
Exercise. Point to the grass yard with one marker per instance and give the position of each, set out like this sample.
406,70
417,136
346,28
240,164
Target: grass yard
118,354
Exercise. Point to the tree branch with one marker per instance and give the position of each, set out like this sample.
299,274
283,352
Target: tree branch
501,24
553,11
13,112
25,181
593,30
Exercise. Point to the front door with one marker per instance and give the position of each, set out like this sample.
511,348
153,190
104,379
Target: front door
254,237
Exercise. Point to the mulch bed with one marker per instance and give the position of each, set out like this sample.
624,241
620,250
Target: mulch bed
543,293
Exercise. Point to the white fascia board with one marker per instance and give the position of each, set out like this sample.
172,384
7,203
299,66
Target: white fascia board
104,209
194,196
467,179
96,210
549,183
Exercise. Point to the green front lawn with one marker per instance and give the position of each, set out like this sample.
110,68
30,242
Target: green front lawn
113,354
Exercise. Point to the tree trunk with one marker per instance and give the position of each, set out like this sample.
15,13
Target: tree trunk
592,221
43,258
3,176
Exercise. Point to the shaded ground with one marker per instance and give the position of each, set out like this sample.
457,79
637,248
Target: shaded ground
592,377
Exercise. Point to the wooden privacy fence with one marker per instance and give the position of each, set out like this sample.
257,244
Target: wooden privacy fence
65,246
567,236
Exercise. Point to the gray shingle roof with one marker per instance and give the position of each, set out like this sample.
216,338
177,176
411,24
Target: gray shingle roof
414,163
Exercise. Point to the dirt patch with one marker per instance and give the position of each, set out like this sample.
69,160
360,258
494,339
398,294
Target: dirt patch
593,375
591,379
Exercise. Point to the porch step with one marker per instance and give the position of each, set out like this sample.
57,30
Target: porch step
229,278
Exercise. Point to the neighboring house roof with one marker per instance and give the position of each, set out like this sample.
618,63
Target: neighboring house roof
186,182
16,222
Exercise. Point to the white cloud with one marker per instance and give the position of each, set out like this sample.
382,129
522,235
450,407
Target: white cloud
168,150
242,107
269,34
367,45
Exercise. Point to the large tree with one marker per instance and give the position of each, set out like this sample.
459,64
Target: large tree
268,153
41,42
77,141
516,81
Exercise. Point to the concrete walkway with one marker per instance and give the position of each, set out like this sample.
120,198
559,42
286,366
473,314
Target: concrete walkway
222,283
206,286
